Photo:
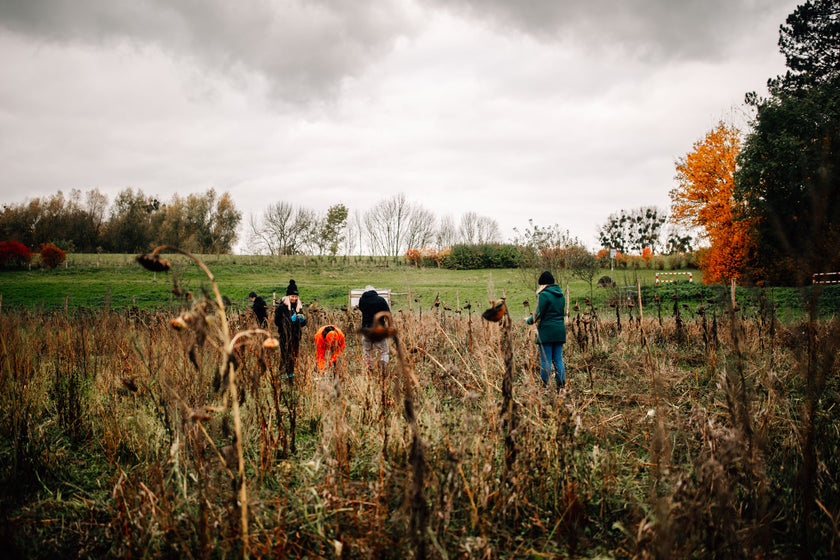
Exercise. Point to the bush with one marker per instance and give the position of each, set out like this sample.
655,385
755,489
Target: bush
426,257
413,257
488,255
14,254
52,256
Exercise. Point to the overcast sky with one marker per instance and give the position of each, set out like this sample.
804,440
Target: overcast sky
559,111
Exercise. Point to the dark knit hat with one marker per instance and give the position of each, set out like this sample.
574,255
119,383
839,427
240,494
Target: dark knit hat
252,294
291,290
545,279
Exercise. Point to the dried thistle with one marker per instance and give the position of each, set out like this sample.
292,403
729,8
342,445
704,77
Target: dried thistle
153,262
495,313
129,384
382,327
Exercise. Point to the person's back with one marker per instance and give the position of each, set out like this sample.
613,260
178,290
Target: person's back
329,338
550,317
371,303
260,310
551,329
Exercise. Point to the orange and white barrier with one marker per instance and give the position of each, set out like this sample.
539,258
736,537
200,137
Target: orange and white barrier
658,274
819,278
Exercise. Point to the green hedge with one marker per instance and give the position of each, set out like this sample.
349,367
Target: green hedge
473,257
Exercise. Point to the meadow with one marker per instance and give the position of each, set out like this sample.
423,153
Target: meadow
689,428
115,281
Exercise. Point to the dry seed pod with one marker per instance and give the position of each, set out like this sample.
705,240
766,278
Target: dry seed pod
375,334
153,263
381,328
129,384
495,313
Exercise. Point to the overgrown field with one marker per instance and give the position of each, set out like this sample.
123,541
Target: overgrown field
713,433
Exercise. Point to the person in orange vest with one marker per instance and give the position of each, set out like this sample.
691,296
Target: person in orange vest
328,338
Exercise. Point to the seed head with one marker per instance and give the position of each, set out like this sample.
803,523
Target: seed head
377,333
129,384
153,263
495,313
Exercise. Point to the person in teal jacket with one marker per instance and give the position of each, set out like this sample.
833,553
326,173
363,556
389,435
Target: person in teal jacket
551,329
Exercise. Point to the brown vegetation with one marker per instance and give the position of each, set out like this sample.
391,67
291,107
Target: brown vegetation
674,440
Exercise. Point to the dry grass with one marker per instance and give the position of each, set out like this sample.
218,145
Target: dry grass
668,443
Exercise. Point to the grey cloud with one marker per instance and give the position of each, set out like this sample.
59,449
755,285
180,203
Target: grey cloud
649,29
302,48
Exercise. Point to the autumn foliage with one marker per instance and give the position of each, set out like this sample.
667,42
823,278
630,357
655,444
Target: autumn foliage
14,254
704,199
51,255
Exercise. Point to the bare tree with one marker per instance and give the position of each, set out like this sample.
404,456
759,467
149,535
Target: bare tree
351,235
96,205
273,230
447,233
284,230
359,227
468,228
543,248
633,230
420,232
255,243
487,230
304,232
386,224
478,230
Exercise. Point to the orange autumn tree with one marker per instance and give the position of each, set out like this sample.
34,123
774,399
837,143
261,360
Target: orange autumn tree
704,199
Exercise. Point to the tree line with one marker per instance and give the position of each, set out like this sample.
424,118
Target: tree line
134,222
391,228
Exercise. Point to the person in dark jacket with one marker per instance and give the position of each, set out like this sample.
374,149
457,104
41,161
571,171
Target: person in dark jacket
371,303
260,310
551,329
288,316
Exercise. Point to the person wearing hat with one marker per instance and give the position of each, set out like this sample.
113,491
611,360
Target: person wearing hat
260,310
551,329
288,316
329,338
371,303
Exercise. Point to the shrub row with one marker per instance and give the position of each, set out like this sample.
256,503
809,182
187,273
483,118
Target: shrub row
16,255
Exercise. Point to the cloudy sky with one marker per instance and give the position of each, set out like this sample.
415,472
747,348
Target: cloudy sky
559,111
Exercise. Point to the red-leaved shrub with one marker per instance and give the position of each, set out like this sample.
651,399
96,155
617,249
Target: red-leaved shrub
51,255
14,254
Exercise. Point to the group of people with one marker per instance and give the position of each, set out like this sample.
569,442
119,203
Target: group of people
289,319
288,316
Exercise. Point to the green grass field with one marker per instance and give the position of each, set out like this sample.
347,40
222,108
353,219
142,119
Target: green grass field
91,280
118,282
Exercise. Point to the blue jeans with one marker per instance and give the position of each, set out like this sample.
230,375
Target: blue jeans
552,353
